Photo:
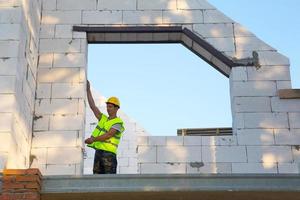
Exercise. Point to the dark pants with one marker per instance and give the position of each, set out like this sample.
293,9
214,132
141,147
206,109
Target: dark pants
105,162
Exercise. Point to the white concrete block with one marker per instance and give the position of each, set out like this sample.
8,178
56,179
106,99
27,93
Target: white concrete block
269,154
192,140
142,140
269,73
219,140
10,31
7,84
241,31
174,141
102,17
123,162
57,138
6,139
69,60
142,17
59,75
8,66
238,74
286,137
251,104
288,168
128,170
6,122
283,85
47,31
39,156
61,17
66,122
56,106
208,168
294,119
296,153
147,154
222,44
194,4
60,155
255,137
49,4
215,16
272,58
214,30
266,120
224,154
41,123
285,105
76,4
68,90
45,60
68,169
238,121
156,5
63,31
43,90
9,48
251,44
182,16
10,15
251,88
9,3
163,168
254,168
157,140
59,45
117,4
178,154
8,102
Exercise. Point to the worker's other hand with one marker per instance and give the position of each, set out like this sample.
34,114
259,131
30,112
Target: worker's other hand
87,85
89,141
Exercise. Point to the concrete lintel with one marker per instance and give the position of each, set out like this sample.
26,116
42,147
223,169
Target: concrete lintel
289,94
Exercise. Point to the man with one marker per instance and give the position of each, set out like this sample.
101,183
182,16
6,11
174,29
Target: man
106,136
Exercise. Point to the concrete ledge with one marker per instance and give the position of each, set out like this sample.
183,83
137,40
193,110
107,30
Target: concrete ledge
289,94
176,186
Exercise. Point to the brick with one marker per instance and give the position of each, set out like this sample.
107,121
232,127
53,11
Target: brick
9,32
224,154
214,30
269,73
5,122
66,122
59,75
70,60
294,119
117,5
146,154
63,155
76,5
7,103
59,45
163,168
255,137
269,154
215,16
182,16
61,17
10,15
192,140
9,48
208,168
142,17
56,106
178,154
156,5
251,104
251,44
194,4
254,168
102,17
266,120
272,58
8,66
257,88
285,105
58,139
222,44
45,60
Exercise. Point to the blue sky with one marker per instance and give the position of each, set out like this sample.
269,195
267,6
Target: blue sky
164,94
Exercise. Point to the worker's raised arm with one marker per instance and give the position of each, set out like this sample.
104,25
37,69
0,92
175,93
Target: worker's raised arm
91,101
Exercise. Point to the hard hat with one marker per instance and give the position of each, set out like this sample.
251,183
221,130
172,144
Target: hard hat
114,100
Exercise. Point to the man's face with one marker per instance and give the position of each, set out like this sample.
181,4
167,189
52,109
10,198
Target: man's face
111,109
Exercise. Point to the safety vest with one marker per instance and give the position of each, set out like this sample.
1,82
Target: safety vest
103,127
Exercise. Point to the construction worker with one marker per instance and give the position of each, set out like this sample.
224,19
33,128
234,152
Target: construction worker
106,136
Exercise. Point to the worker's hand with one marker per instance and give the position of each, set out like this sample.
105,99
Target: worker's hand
88,85
89,140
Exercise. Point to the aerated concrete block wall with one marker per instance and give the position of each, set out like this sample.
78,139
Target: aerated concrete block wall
43,79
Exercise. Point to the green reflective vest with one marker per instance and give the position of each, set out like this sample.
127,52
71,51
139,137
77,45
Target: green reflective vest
104,126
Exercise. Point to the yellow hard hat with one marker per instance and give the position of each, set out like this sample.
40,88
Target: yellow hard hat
114,100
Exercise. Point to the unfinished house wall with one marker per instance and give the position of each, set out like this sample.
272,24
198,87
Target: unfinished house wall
19,38
265,127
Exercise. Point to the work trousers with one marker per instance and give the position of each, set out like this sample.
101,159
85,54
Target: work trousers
105,162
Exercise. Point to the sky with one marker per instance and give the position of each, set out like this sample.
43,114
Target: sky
164,94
